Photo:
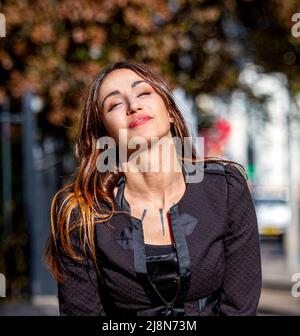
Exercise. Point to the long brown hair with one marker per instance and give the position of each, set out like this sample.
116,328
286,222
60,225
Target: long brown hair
89,185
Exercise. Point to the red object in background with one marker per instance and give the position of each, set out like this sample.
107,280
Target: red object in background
216,137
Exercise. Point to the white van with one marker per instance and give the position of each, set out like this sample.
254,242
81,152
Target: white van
273,216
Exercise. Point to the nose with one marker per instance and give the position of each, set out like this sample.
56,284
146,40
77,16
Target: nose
133,106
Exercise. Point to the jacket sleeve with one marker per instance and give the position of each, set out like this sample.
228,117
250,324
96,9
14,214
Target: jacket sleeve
79,293
241,288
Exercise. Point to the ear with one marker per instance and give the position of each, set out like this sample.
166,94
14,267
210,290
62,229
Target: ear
171,118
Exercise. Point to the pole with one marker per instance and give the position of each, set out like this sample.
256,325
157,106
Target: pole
292,234
6,168
28,131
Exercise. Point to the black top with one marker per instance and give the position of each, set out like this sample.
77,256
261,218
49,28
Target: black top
162,267
159,249
214,226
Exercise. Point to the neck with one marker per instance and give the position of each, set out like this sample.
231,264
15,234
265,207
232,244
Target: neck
159,187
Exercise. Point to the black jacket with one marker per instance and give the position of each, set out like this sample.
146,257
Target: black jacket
215,230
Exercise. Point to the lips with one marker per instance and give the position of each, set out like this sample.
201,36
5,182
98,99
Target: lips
139,121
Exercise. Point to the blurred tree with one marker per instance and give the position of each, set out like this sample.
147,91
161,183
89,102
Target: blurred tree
57,48
269,29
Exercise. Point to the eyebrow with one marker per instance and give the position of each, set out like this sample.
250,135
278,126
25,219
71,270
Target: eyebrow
116,92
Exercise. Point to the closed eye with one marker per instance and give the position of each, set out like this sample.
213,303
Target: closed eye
113,107
144,93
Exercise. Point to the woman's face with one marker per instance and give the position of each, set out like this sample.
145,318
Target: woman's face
126,97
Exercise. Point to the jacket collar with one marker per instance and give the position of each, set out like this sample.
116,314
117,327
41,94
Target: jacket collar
122,203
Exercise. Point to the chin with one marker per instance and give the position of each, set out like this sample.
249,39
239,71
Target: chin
141,137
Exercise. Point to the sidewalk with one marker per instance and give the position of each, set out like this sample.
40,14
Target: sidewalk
276,297
28,309
277,273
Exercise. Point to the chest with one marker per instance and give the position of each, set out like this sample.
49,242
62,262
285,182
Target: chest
199,243
198,229
156,225
155,222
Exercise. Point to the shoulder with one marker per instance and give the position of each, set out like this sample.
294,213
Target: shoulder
234,175
235,180
214,168
228,169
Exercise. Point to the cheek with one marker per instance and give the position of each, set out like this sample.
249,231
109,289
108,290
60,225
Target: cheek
163,116
162,111
113,123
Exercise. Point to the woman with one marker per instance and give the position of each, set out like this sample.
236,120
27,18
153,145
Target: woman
130,241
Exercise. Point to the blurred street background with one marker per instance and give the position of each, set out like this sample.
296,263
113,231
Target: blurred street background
234,69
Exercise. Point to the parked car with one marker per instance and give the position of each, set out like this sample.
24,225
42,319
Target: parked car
273,216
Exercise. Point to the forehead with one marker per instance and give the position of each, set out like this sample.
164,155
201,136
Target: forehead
118,79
